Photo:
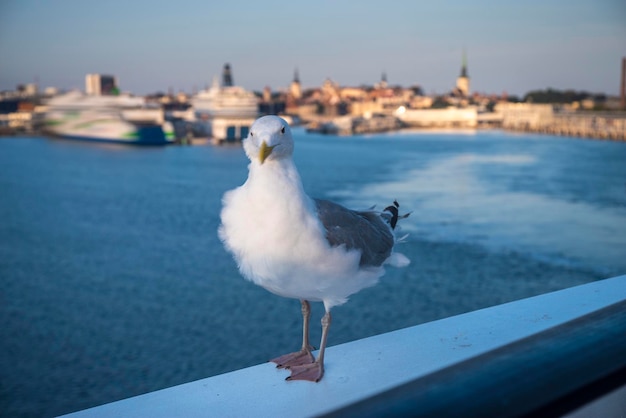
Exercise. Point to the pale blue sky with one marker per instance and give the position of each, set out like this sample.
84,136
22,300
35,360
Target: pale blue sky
512,46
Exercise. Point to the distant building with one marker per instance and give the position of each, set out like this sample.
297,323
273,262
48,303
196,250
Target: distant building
295,89
623,85
330,92
101,85
463,82
450,117
31,89
267,94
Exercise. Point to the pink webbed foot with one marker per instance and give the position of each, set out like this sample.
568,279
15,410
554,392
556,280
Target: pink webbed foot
290,360
312,372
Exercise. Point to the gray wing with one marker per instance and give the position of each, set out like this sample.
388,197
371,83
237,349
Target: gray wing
364,231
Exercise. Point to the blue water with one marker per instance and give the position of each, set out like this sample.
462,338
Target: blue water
114,283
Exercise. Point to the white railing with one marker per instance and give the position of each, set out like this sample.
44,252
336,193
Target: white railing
490,362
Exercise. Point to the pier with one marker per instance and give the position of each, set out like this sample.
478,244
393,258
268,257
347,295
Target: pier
544,119
557,354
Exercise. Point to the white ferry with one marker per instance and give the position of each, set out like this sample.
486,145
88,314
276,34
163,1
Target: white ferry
107,118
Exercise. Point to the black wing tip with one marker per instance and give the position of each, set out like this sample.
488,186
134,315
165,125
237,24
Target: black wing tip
393,209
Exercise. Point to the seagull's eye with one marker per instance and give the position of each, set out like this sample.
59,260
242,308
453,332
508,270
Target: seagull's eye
251,133
282,130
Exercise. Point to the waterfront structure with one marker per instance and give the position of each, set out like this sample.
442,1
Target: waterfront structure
20,108
545,118
525,116
100,84
225,112
450,117
16,114
19,120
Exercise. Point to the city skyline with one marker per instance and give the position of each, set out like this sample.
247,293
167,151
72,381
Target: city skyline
155,47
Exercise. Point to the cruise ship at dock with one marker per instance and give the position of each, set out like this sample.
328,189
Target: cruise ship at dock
225,112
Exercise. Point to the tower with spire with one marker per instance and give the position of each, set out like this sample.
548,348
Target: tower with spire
295,88
463,82
383,81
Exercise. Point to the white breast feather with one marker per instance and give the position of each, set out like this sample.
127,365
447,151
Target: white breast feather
270,226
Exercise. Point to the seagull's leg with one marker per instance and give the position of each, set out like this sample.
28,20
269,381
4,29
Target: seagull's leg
306,316
303,356
314,371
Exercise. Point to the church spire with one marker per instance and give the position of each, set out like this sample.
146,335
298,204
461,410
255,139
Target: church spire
464,65
295,89
463,82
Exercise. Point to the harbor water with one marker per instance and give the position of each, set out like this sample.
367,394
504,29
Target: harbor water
113,281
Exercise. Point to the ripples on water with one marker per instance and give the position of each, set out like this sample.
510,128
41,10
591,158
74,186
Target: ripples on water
114,282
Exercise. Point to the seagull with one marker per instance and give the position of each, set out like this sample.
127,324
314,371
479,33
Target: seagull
298,247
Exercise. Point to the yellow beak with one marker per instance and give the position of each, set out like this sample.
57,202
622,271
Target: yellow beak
265,151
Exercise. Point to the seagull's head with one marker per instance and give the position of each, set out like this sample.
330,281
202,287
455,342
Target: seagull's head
269,139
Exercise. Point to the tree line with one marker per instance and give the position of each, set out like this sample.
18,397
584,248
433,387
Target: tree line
561,96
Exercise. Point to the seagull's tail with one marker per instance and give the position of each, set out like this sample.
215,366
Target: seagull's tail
394,214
